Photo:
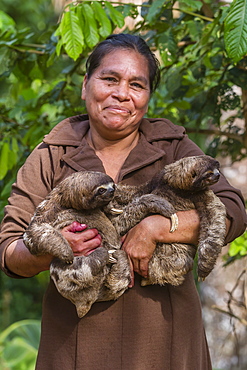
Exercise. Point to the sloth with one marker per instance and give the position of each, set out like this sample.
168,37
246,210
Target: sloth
80,199
184,185
94,199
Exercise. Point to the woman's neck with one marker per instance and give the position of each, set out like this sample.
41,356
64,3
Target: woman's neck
112,153
101,144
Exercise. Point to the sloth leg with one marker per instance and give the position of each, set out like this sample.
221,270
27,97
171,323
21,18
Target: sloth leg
169,264
212,232
44,238
118,278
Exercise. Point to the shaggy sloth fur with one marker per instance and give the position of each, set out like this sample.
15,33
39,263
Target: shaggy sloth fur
92,198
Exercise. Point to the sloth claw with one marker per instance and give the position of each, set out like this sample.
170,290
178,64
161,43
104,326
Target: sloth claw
116,211
174,223
111,258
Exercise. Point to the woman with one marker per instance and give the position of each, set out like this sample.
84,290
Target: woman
147,328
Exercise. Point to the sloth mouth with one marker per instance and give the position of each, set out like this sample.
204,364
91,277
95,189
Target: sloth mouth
209,178
212,177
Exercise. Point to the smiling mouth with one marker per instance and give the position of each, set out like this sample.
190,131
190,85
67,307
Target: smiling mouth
117,109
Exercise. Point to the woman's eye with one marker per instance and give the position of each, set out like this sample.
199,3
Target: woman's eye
137,85
110,79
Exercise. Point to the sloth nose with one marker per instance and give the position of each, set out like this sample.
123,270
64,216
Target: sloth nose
216,174
212,177
111,189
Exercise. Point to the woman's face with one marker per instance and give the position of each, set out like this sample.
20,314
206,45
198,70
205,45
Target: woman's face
117,94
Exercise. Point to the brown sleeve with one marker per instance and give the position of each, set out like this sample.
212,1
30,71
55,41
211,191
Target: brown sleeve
230,196
34,181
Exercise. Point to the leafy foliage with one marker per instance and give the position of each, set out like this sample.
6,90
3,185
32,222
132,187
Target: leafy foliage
19,345
21,298
236,30
237,250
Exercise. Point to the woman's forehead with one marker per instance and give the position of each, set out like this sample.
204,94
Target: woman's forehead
124,59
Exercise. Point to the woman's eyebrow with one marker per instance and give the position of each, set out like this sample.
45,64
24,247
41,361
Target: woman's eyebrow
116,74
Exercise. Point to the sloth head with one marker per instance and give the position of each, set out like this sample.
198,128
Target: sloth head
84,190
192,173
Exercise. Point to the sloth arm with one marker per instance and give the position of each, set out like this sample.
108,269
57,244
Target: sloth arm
21,262
140,242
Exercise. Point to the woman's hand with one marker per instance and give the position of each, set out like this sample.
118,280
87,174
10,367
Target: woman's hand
20,261
140,242
82,240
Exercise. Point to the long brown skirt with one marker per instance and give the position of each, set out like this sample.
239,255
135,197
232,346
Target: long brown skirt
152,327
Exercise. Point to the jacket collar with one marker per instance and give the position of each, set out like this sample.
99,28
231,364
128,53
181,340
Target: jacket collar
68,132
71,131
81,157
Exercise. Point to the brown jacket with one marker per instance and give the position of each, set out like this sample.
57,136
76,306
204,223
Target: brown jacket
147,328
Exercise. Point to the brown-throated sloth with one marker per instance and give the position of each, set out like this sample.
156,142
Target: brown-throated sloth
99,276
185,185
179,184
80,197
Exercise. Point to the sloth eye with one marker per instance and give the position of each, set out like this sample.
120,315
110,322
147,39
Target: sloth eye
101,191
193,175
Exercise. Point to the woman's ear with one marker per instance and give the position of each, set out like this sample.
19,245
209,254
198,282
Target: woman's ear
83,91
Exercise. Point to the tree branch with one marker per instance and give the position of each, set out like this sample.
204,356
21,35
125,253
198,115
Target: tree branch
243,321
216,132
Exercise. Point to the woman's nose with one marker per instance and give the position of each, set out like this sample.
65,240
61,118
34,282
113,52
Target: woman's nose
121,92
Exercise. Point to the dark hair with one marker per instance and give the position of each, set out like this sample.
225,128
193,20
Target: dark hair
125,41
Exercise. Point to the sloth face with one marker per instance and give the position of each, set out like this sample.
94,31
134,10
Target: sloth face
84,190
192,173
102,195
209,177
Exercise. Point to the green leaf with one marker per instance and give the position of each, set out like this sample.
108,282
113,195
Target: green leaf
115,15
235,30
100,15
154,9
190,5
19,344
168,47
239,246
13,153
90,28
6,22
4,156
59,46
238,76
72,35
5,57
26,329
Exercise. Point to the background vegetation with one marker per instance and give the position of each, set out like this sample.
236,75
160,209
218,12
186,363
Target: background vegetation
202,47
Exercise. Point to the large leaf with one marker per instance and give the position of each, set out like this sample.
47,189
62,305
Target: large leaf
190,5
115,15
99,13
168,47
235,32
25,329
6,23
19,344
90,28
154,9
72,36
